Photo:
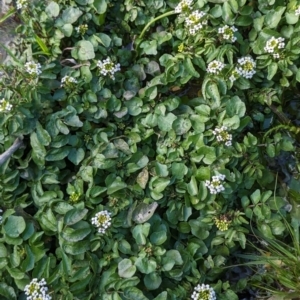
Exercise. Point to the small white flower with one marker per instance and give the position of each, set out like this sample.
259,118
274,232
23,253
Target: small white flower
107,67
5,105
82,29
215,67
215,185
33,68
274,45
227,33
102,221
195,21
37,290
297,11
68,81
21,4
246,67
184,6
1,211
222,135
203,292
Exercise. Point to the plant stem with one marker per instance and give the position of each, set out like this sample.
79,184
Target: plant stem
169,13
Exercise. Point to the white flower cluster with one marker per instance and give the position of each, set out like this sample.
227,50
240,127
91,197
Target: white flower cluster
107,67
215,186
227,33
297,11
274,45
246,67
102,221
223,135
203,292
37,290
82,29
33,68
67,81
1,211
21,4
195,21
183,6
5,105
215,67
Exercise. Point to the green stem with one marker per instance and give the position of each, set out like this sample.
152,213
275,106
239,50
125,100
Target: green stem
7,15
169,13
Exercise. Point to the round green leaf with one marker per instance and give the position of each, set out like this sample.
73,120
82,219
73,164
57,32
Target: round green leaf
126,269
52,9
14,226
152,281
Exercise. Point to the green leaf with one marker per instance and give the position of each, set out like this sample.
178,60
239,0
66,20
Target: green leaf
134,293
198,229
203,173
42,135
75,235
14,226
255,197
71,15
232,123
143,212
124,247
126,269
76,156
179,170
57,154
244,21
52,9
76,248
145,265
165,122
265,230
38,150
142,178
273,17
75,215
104,39
149,47
277,227
162,296
175,255
192,187
234,106
86,74
213,92
84,50
162,36
116,185
181,125
3,250
140,232
100,6
152,281
7,291
67,29
161,170
227,14
271,151
158,237
298,75
272,70
188,65
291,18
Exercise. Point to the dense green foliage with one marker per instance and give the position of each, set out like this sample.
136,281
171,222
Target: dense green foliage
178,136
